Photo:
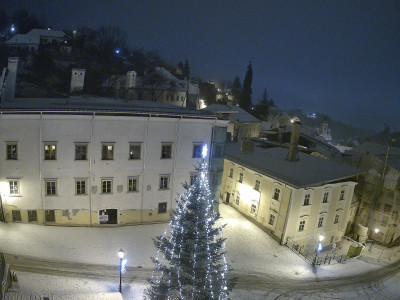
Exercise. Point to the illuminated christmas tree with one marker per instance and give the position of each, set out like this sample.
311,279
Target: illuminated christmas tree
191,257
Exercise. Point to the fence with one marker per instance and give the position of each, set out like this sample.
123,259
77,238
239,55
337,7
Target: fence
314,257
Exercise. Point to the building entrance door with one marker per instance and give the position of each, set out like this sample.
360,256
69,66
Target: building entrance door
108,216
228,195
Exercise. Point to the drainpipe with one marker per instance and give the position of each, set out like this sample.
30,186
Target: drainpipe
146,139
40,166
174,165
287,215
2,217
90,170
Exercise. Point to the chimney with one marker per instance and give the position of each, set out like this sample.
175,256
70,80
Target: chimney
11,79
294,140
246,147
77,80
131,77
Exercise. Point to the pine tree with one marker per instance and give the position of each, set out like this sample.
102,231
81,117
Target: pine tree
194,265
245,99
236,90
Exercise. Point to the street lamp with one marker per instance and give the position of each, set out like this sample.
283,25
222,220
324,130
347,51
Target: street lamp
321,238
121,254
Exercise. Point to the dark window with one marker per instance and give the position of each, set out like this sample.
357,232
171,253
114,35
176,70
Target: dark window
49,215
106,186
271,220
132,184
166,151
240,177
325,199
336,219
276,194
301,225
341,195
12,151
257,185
193,178
81,187
253,209
307,199
237,201
197,150
231,173
32,216
16,216
162,207
51,187
107,152
164,182
80,152
134,151
321,222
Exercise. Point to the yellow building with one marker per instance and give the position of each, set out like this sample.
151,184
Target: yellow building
301,200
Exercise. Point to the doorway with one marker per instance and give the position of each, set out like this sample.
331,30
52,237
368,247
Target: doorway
108,216
228,195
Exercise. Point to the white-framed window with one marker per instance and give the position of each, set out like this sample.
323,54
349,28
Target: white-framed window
133,184
277,192
164,182
302,225
253,209
231,172
193,177
271,220
257,185
12,151
197,150
307,199
320,222
81,150
325,197
162,207
14,187
337,216
51,187
166,151
341,197
50,151
32,216
107,151
237,200
240,179
106,185
135,150
80,186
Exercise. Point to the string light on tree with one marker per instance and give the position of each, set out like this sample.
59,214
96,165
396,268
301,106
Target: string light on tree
190,262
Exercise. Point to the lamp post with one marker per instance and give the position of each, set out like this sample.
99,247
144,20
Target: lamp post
319,248
121,254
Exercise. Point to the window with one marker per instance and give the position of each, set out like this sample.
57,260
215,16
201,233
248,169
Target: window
12,151
32,216
257,185
164,182
336,219
162,207
193,177
16,216
80,187
325,198
276,194
166,150
237,201
302,225
240,177
14,187
134,151
51,187
321,222
253,209
81,152
197,150
231,173
341,195
50,151
271,220
218,151
332,238
132,184
49,215
107,151
307,199
106,186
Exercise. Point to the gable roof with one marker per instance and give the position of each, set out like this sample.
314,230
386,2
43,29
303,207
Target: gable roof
24,39
236,113
308,171
48,33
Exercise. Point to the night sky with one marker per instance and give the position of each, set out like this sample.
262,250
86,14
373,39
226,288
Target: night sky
340,58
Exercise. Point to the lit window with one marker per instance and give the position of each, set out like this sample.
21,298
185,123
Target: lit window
325,198
271,220
321,222
51,187
166,150
276,194
197,151
301,225
50,151
80,187
164,182
307,199
193,177
14,187
12,152
336,219
341,195
231,173
106,186
240,177
134,151
80,152
32,216
257,185
107,151
162,207
132,184
237,201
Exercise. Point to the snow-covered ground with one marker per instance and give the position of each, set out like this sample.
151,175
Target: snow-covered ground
250,251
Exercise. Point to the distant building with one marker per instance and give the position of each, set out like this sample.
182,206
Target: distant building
324,132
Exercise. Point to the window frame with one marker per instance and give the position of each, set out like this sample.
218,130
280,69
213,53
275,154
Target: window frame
341,195
162,186
336,220
302,226
325,197
321,222
46,190
253,209
257,187
161,208
16,215
105,153
132,155
17,181
240,177
32,213
271,218
197,153
106,191
230,175
86,151
9,151
166,154
277,191
47,214
136,185
307,198
79,180
50,154
237,199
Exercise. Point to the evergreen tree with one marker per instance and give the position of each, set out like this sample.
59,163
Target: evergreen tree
194,266
236,90
245,99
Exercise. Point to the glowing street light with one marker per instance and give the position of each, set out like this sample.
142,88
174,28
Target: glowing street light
117,51
12,28
376,230
122,263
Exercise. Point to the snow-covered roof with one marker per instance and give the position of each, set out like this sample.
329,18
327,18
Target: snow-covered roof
373,149
47,33
24,39
236,113
308,171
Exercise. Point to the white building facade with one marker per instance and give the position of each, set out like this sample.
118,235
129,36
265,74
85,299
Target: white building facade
91,168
